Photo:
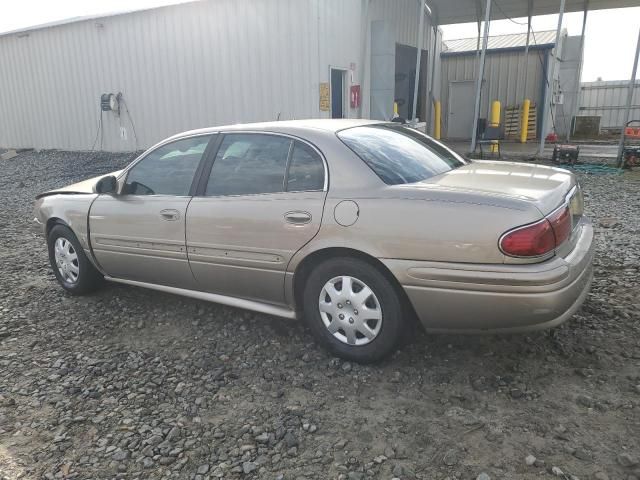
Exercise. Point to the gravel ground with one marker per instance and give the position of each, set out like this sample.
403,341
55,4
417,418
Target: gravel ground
130,383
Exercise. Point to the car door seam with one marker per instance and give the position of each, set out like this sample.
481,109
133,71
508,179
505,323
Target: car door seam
286,270
89,243
285,180
186,244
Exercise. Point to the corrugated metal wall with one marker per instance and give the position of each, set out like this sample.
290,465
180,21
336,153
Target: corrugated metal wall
179,67
569,85
504,78
402,18
607,100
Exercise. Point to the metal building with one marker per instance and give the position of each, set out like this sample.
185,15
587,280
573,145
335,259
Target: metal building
449,12
511,74
211,62
607,101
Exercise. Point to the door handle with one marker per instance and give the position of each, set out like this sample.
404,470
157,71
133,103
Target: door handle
297,218
169,214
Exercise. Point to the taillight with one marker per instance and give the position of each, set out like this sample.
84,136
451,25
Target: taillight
529,241
538,238
561,224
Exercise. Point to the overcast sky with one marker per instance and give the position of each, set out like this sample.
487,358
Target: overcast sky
609,46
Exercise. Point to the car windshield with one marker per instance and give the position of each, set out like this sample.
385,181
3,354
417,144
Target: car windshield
400,154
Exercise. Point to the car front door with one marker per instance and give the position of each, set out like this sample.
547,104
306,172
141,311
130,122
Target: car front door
139,233
261,202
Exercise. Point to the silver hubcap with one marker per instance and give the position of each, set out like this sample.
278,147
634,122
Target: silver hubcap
350,310
66,260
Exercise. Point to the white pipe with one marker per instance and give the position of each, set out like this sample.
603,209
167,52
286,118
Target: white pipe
480,74
632,84
551,73
418,55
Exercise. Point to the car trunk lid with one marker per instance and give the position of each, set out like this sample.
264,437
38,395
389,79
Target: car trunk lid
546,187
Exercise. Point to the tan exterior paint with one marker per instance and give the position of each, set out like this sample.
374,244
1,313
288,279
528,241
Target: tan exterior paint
438,238
130,239
241,246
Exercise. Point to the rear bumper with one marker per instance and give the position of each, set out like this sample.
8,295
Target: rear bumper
475,298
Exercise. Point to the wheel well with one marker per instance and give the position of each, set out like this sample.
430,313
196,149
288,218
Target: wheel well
52,222
319,256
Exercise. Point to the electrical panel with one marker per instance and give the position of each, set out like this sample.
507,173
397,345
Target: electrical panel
110,102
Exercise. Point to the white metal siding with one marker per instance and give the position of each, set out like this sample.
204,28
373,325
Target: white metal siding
179,67
402,18
569,85
608,99
403,15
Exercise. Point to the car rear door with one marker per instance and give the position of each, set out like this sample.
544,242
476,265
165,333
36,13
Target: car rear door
139,233
260,203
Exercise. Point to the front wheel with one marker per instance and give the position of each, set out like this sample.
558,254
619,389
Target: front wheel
353,309
72,268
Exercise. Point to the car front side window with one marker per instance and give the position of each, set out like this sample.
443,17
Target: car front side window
169,169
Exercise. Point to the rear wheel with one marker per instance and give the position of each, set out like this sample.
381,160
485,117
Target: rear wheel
353,309
72,268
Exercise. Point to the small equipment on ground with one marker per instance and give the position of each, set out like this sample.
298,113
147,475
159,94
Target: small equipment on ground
631,145
564,153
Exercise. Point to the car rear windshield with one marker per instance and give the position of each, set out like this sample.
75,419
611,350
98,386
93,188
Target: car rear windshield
399,154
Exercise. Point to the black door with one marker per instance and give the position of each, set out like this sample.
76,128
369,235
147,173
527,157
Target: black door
337,92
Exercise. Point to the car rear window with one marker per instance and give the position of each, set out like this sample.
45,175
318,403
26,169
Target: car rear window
399,154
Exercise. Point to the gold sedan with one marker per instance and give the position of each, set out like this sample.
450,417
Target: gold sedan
353,225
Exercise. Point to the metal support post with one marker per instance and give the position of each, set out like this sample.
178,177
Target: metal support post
433,77
526,52
526,104
550,82
480,74
418,55
627,108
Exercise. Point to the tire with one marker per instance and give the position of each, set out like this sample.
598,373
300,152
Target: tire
76,274
325,300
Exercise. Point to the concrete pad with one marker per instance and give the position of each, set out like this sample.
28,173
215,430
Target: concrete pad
8,154
515,150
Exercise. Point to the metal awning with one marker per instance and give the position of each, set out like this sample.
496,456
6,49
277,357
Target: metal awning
446,12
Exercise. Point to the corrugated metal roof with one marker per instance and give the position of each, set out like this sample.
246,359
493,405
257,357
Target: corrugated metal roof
515,40
448,12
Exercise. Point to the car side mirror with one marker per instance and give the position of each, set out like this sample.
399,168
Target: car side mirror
107,184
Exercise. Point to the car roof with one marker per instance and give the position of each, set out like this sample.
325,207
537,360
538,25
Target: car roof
288,126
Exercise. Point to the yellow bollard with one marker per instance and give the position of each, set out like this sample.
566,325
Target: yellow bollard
495,114
395,109
524,125
437,114
494,121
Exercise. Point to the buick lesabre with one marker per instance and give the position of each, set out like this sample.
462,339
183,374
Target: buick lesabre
354,226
